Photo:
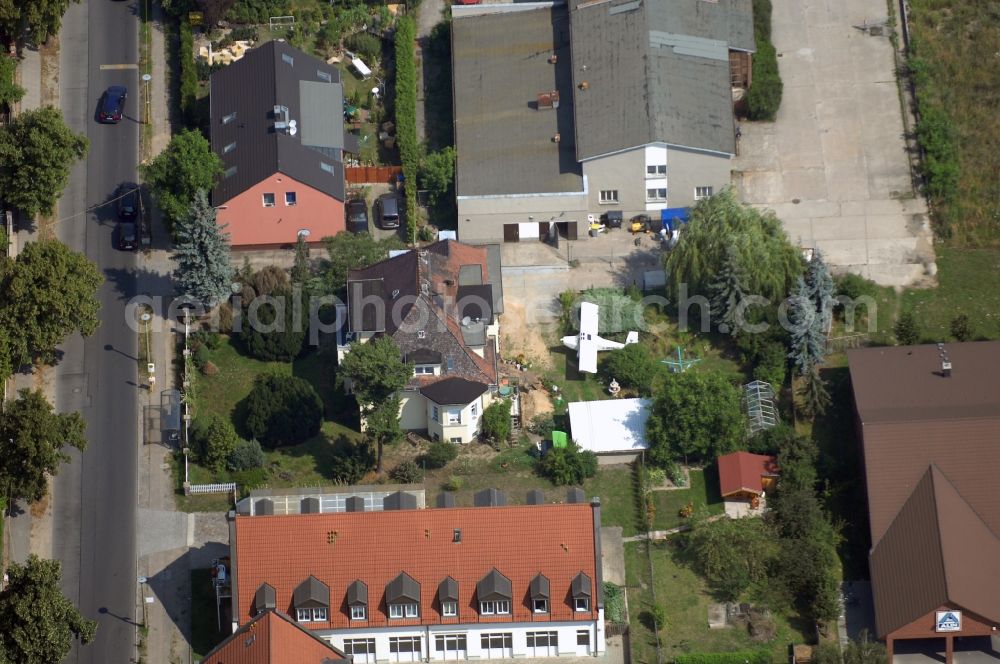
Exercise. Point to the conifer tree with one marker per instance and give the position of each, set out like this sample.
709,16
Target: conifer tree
808,341
202,254
728,293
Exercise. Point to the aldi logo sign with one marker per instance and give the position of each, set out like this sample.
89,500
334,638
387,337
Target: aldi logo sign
949,621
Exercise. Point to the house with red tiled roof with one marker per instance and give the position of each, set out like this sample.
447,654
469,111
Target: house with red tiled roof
744,479
441,305
273,638
487,582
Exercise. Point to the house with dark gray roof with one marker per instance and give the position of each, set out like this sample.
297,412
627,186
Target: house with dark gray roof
441,305
569,109
277,125
929,420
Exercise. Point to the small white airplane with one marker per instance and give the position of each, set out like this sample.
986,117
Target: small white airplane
587,343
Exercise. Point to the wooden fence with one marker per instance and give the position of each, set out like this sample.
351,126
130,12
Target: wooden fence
371,174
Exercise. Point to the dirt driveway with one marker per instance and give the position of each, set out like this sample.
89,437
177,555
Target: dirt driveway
834,166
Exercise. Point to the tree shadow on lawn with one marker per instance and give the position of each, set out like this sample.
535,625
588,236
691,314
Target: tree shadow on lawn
325,454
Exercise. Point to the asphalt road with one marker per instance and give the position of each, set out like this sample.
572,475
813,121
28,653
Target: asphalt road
95,497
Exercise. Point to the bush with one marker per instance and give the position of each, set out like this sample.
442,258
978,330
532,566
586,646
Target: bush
568,465
270,279
206,338
351,461
855,286
406,117
454,483
214,440
961,328
285,342
771,364
614,603
257,11
618,312
369,47
246,456
762,19
439,455
906,329
201,356
188,75
634,367
740,657
543,425
407,472
764,96
282,410
496,421
654,618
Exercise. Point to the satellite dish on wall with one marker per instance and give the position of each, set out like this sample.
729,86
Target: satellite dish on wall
292,127
303,233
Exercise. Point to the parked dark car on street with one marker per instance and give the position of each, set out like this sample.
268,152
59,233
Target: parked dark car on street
128,239
113,104
128,200
357,215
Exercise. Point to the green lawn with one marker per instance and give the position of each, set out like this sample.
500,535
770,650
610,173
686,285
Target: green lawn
220,394
703,493
683,595
204,635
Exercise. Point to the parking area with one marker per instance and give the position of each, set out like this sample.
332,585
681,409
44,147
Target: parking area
968,650
834,166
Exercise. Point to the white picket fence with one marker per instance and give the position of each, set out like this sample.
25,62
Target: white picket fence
226,487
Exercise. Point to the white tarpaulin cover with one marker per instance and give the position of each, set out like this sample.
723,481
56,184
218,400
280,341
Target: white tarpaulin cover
614,425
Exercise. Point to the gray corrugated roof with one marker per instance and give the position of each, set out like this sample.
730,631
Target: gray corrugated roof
311,593
504,143
490,498
310,505
357,593
581,586
539,588
355,504
448,590
493,586
655,71
403,587
264,507
264,598
453,391
401,500
250,89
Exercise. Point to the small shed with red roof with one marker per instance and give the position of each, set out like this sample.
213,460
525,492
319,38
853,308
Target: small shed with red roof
746,477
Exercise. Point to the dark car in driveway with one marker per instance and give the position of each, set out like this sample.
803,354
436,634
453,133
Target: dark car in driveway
112,105
128,236
128,200
357,215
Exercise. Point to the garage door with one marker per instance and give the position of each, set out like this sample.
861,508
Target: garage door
362,649
497,645
404,648
511,233
450,646
543,644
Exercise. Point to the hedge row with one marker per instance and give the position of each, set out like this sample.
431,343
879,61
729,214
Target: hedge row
614,603
766,88
189,72
936,135
739,657
406,116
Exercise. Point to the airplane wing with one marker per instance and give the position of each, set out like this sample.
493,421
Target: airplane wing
607,344
588,354
588,319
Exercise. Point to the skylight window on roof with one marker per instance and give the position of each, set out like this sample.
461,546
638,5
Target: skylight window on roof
229,148
226,119
230,172
324,76
326,167
287,58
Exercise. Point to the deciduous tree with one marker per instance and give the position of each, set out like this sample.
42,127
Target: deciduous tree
33,438
215,440
376,370
10,92
38,624
31,20
568,465
348,251
634,367
46,293
201,249
37,150
184,168
770,262
382,426
496,421
731,553
695,415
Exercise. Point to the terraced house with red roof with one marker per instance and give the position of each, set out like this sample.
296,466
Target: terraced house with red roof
441,305
407,585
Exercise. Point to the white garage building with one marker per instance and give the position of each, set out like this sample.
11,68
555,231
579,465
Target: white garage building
614,430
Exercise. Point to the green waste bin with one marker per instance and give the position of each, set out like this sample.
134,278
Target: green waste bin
559,439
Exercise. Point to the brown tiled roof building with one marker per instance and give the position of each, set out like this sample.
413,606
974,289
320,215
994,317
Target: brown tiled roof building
929,420
498,576
273,638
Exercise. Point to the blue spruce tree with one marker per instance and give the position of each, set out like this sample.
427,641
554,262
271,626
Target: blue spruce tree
201,249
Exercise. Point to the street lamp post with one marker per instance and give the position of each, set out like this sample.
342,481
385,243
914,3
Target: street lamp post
146,78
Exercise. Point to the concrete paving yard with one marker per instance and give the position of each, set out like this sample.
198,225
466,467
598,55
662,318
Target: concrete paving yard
834,166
